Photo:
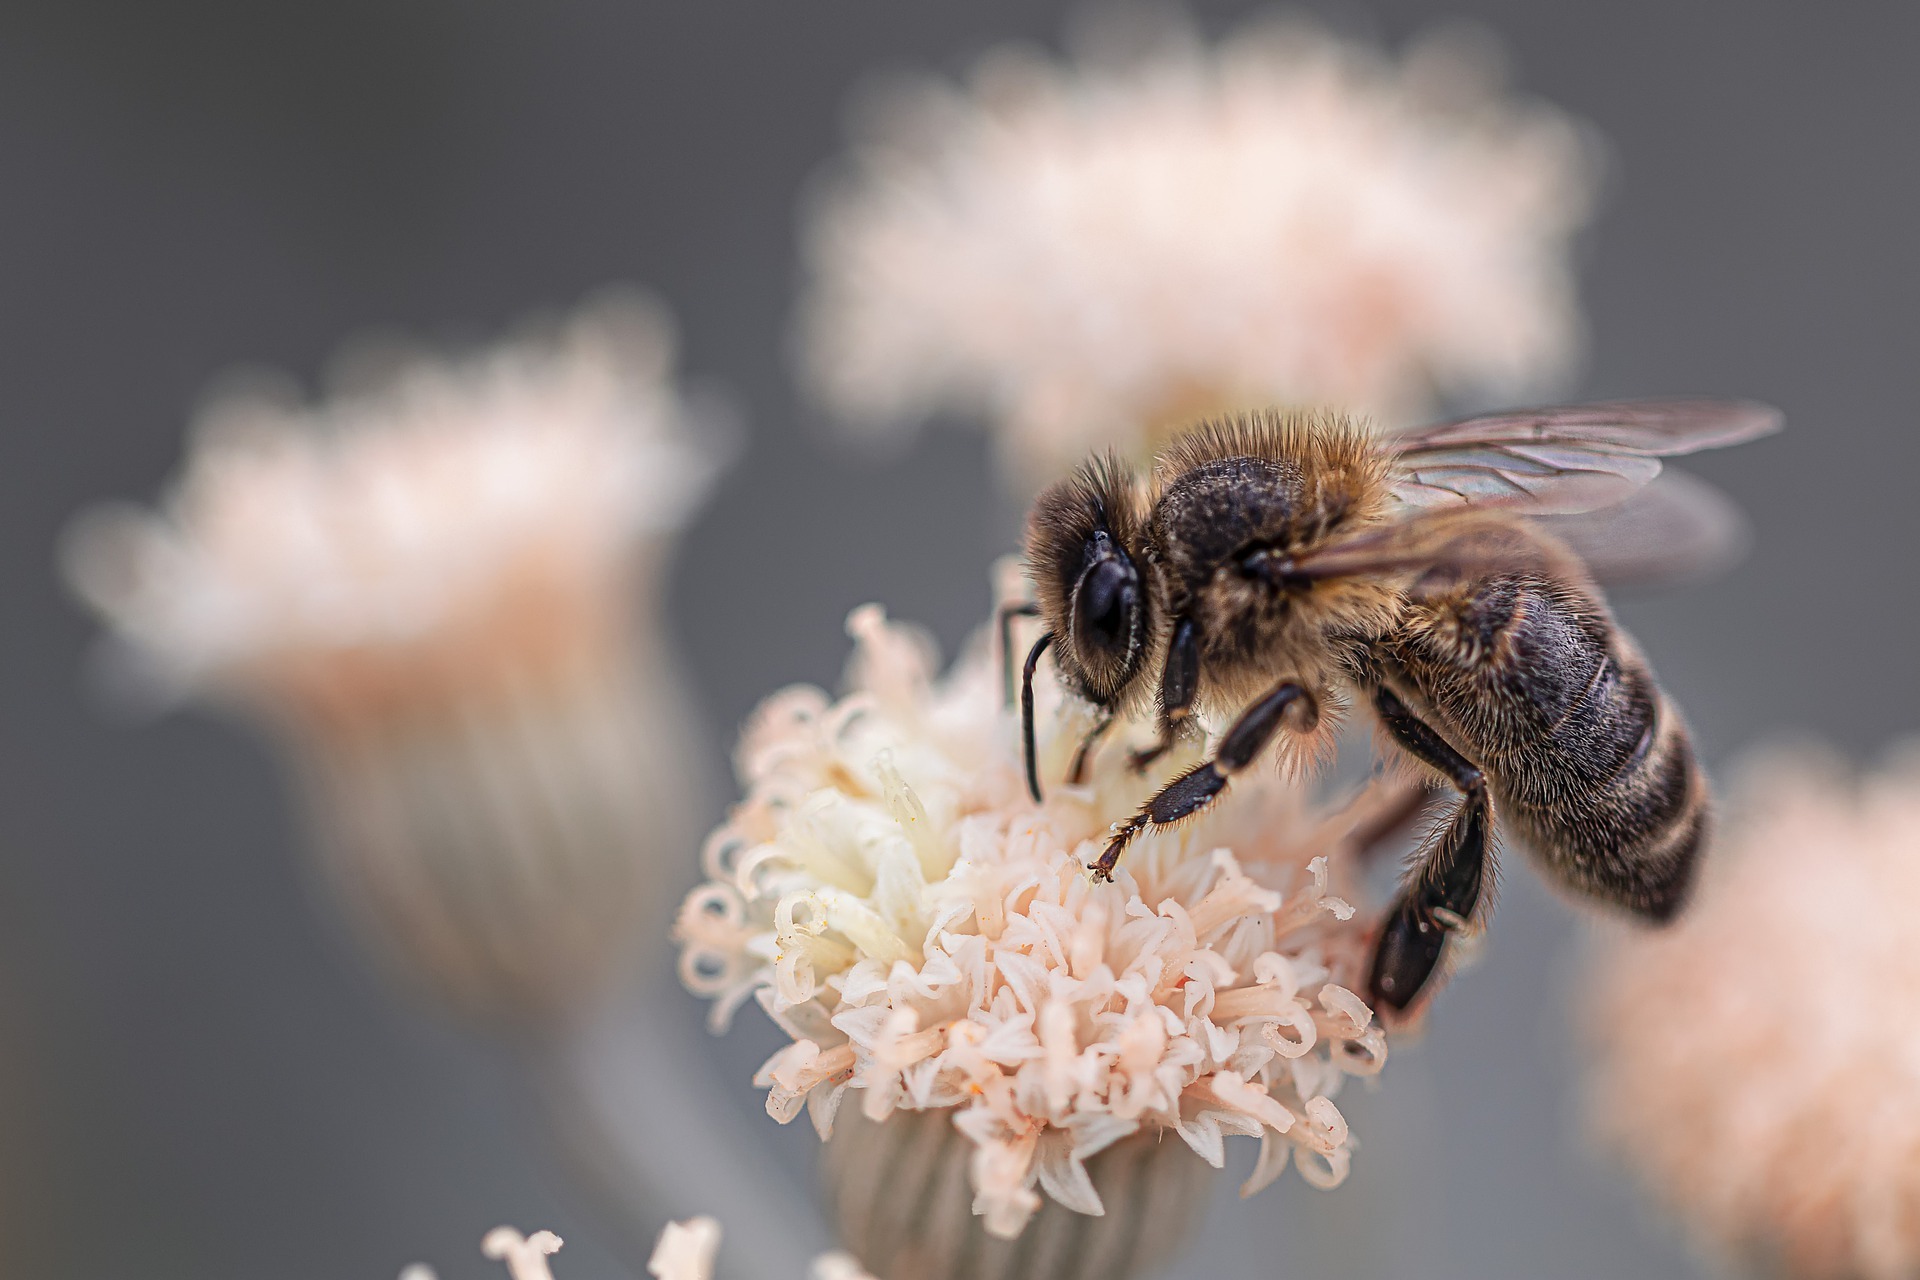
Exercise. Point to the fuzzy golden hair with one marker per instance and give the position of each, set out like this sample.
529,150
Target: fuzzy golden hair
1348,475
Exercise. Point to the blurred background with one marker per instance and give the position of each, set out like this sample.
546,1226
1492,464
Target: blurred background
196,1076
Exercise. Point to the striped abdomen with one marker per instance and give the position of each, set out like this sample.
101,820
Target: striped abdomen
1586,758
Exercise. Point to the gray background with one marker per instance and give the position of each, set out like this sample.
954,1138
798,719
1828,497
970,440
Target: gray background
195,1077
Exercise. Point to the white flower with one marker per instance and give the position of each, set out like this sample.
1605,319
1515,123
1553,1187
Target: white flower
424,585
686,1250
410,530
932,940
1086,253
1758,1061
525,1256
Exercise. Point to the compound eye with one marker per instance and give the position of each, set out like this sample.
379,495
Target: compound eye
1106,611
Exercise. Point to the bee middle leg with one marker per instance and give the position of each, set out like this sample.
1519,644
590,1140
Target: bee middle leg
1077,773
1444,893
1179,686
1195,789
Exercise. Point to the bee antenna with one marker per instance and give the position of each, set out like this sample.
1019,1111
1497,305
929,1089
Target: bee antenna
1026,714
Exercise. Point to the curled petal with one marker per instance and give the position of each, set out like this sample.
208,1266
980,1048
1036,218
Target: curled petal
1342,1002
1299,1020
1323,1170
1362,1056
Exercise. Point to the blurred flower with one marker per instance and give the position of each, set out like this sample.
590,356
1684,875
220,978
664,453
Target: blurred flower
932,942
525,1256
427,586
1090,253
686,1251
1759,1060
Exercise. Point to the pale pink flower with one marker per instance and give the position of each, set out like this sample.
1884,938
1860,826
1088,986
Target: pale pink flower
1758,1062
1085,253
437,588
525,1256
448,520
932,941
686,1251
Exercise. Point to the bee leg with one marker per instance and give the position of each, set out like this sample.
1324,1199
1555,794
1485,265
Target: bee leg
1195,789
1040,646
1078,773
1179,685
1445,892
1008,613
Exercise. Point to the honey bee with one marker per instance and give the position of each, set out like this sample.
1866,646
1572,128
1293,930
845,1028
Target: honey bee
1281,563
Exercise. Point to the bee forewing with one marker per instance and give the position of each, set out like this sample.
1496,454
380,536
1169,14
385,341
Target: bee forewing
1677,529
1538,477
1663,427
1448,539
1565,460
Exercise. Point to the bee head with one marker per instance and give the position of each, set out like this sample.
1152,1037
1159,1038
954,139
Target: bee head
1084,556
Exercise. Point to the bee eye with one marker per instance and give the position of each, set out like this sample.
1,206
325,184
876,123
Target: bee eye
1106,609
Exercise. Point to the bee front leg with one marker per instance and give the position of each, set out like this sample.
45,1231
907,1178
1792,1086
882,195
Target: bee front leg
1179,686
1008,613
1195,789
1444,893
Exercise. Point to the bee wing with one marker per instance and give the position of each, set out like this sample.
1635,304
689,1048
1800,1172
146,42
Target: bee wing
1465,541
1570,459
1677,529
1674,529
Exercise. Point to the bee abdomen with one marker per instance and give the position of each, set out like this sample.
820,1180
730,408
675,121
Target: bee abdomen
1611,797
1590,762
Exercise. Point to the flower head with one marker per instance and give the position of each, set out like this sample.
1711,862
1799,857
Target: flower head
425,586
1088,252
1759,1060
931,939
425,530
684,1251
525,1256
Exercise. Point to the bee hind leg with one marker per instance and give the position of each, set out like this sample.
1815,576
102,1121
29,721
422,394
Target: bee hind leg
1444,893
1195,789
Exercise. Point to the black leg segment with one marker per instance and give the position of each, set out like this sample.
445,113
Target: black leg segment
1026,714
1445,891
1179,686
1008,612
1195,789
1419,740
